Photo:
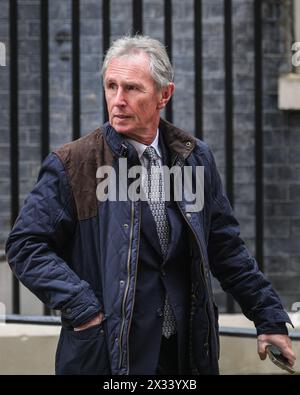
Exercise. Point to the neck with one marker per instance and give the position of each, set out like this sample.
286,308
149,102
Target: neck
142,138
146,141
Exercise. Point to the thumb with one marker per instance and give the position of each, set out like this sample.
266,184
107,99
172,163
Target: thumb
261,349
262,355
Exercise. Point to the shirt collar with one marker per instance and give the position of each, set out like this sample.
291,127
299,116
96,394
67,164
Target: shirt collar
140,148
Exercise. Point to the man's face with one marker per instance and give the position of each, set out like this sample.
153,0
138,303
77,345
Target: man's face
133,100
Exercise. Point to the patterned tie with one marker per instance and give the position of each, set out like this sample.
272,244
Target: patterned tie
155,192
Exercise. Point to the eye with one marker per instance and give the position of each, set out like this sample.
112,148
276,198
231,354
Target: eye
131,88
111,85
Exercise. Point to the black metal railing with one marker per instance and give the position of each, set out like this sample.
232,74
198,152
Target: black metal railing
137,27
168,43
137,17
76,68
229,331
198,68
259,159
14,132
45,139
105,43
229,134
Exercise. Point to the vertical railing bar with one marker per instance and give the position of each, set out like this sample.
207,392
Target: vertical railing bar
76,67
105,43
168,43
198,68
259,195
14,132
137,16
44,79
44,17
228,101
229,135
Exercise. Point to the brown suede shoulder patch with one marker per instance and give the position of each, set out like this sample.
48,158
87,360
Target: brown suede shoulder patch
81,159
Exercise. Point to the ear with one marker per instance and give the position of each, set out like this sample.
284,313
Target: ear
165,95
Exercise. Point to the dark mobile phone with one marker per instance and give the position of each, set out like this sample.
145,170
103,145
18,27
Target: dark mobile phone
280,360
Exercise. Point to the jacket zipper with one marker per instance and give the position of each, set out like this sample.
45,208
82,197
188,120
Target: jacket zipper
202,257
135,279
202,260
127,285
189,225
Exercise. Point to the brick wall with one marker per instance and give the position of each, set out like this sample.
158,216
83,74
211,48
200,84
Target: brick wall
281,129
282,161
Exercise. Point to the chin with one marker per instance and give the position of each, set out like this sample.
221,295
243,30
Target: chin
122,129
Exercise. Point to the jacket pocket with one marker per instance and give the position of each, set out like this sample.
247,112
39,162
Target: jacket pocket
82,352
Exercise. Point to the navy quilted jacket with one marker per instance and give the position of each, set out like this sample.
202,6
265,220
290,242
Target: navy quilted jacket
79,255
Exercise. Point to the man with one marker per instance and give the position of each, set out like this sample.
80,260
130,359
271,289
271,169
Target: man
131,278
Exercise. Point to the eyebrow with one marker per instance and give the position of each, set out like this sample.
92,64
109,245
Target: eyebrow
129,82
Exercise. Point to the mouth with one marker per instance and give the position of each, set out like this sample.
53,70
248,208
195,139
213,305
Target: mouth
121,116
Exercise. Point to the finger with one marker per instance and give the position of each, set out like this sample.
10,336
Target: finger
262,351
288,352
291,357
262,356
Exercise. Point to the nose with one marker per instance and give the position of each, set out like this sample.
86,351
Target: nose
120,98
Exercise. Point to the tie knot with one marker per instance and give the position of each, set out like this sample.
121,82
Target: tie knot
150,153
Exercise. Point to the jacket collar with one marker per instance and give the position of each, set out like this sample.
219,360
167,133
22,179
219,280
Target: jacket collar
140,147
119,145
179,142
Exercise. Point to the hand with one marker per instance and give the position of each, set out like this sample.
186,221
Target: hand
281,341
93,322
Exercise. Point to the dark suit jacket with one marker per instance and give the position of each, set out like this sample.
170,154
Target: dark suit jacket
154,279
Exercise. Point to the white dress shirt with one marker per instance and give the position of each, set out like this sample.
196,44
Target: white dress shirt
140,148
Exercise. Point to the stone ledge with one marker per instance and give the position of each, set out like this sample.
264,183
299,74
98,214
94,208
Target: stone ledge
26,331
17,342
240,321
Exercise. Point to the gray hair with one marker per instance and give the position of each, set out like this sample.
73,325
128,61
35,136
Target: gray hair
160,66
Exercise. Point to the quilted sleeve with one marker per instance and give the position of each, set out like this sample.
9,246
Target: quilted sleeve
236,270
41,231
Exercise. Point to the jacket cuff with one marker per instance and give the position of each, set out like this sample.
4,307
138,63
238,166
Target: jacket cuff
81,309
276,328
272,320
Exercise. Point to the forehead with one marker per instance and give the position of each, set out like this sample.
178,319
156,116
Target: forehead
134,66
